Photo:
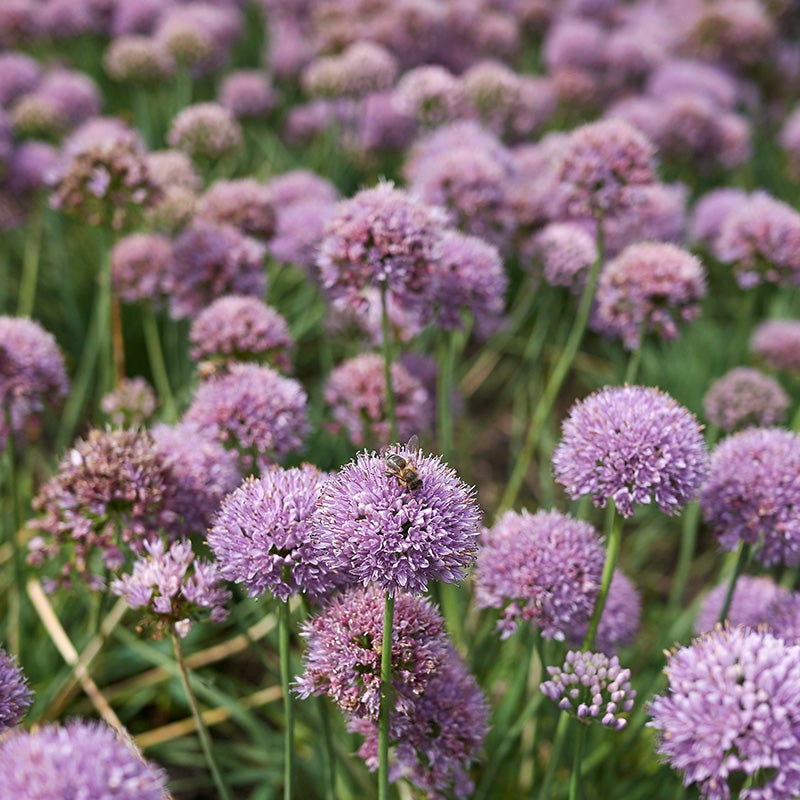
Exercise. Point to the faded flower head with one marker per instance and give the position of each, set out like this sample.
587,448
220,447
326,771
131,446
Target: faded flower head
131,405
591,686
141,266
362,68
567,251
262,536
15,696
731,712
383,531
432,95
753,492
542,568
777,343
138,59
648,287
243,202
172,168
174,587
744,397
77,759
247,94
205,131
632,445
751,605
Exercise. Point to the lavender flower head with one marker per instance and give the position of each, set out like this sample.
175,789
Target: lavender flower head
30,166
752,494
15,696
710,212
32,374
74,95
567,251
235,328
632,445
172,168
247,94
205,131
649,287
131,405
751,604
253,410
383,531
591,686
174,587
750,727
777,343
542,568
19,75
788,139
141,267
603,167
262,536
77,759
364,67
138,60
300,186
744,397
432,95
244,202
299,229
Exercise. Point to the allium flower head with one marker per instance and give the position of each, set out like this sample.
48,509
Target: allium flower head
131,404
751,604
400,538
777,343
247,94
15,696
74,95
141,267
30,167
710,212
432,95
364,67
19,75
299,229
253,410
753,492
744,397
77,759
732,711
262,536
542,568
172,168
603,167
138,60
243,202
205,131
788,138
632,445
300,186
591,686
648,287
783,617
567,251
176,588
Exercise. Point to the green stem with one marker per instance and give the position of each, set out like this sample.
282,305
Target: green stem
157,364
328,754
555,756
444,394
30,262
691,522
386,698
202,730
633,365
741,561
575,777
288,711
391,405
15,600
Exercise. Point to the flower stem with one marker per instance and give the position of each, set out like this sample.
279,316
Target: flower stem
741,561
575,777
30,262
555,753
202,731
386,698
691,521
288,711
15,600
391,406
444,394
157,364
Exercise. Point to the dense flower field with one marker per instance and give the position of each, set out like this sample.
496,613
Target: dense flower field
399,399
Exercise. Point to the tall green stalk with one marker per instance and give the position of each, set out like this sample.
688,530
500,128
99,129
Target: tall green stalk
288,710
386,698
30,261
741,562
15,600
158,366
391,405
575,776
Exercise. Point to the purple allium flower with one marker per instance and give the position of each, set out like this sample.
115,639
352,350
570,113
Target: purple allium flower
306,122
205,131
30,166
299,229
33,115
131,404
364,67
432,95
135,16
77,759
174,587
65,19
751,605
138,59
542,568
73,94
761,238
247,94
141,265
235,328
210,260
19,22
262,536
710,213
343,656
19,75
777,343
752,494
649,287
355,391
567,251
173,210
382,126
732,710
170,168
744,397
244,203
603,167
470,278
382,236
253,410
788,138
15,696
301,186
591,686
632,445
387,533
784,617
688,76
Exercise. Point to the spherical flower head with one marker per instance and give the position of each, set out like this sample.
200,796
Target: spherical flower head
205,131
172,168
247,94
603,167
731,711
494,91
243,202
591,686
752,494
710,213
567,251
632,445
19,75
235,328
15,696
744,397
783,617
542,568
343,652
376,519
300,186
777,343
432,95
77,759
141,267
788,139
35,116
73,94
299,229
382,236
138,60
383,127
689,76
253,410
751,604
175,588
649,287
30,166
355,391
361,69
262,536
210,260
131,405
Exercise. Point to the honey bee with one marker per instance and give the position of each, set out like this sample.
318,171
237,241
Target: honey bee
400,467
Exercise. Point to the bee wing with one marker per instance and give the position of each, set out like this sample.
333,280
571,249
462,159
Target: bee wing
413,443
